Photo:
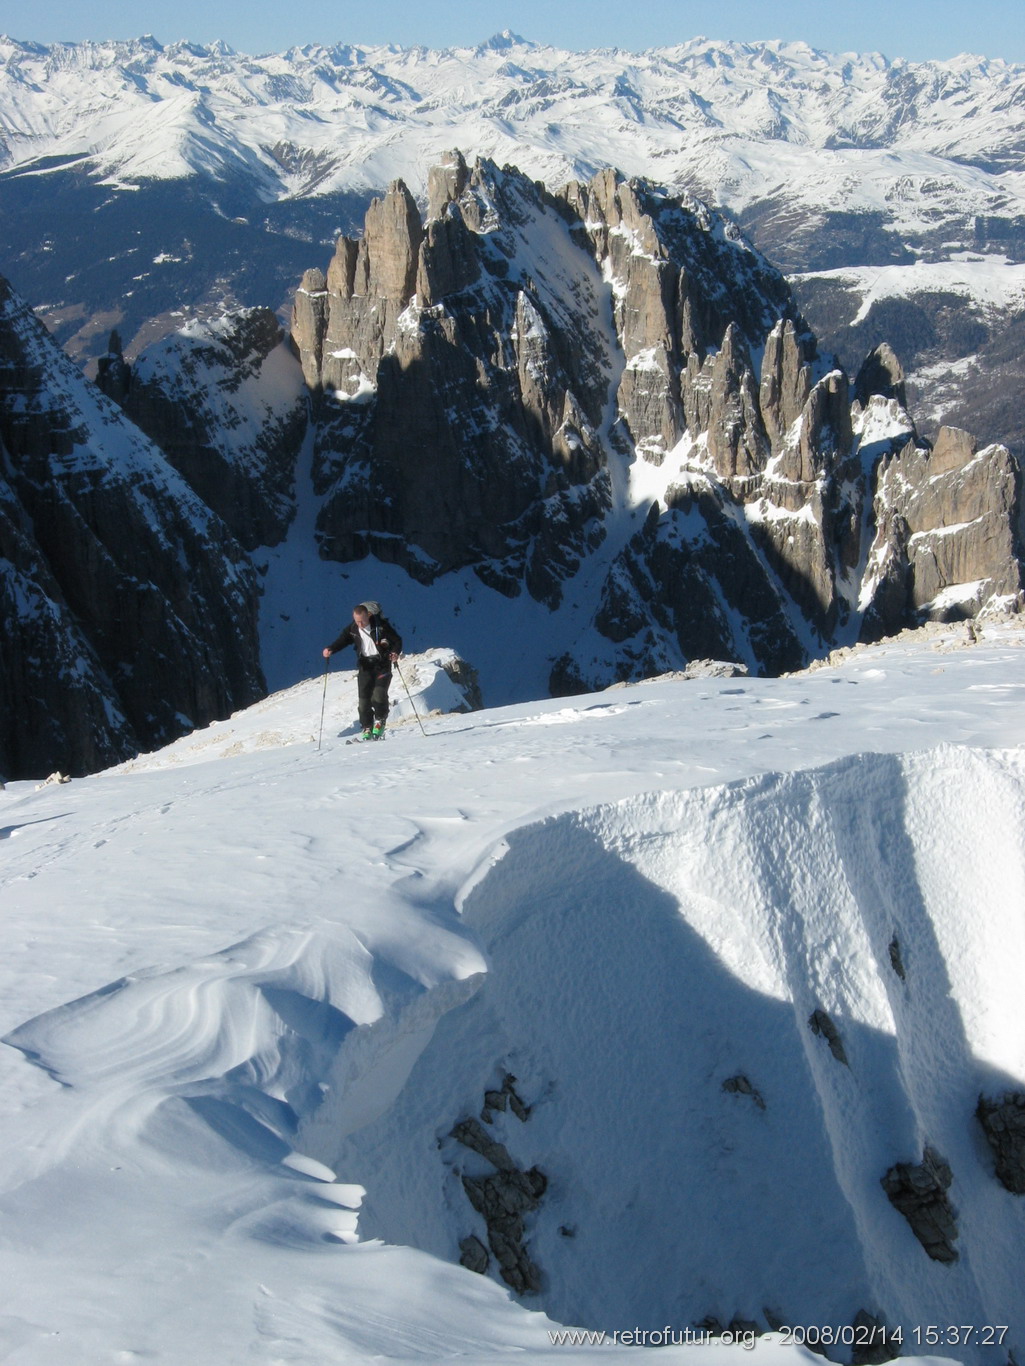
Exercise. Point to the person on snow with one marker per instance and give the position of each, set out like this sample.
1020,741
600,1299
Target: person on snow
378,645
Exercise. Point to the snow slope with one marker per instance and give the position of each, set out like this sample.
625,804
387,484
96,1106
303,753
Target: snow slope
994,283
251,984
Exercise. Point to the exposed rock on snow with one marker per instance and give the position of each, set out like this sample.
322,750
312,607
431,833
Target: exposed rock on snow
466,679
53,779
1003,1123
740,1086
919,1192
874,1340
823,1026
897,958
507,1097
502,1198
474,1255
697,668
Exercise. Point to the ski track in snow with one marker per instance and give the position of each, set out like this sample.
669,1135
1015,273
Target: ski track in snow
258,982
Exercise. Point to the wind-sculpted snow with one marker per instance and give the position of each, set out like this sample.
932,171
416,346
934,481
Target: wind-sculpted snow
645,954
242,1039
250,995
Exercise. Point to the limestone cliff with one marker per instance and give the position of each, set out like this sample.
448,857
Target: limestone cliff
460,385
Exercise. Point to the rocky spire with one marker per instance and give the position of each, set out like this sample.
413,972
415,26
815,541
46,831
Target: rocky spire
386,262
881,373
113,373
446,183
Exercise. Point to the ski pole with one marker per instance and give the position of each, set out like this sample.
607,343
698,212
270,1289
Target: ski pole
411,702
323,703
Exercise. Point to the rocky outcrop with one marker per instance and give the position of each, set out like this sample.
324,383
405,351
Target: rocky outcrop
456,416
821,1024
919,1192
741,1086
502,1196
113,373
474,1255
1003,1123
897,959
504,1098
946,538
874,1340
130,609
881,374
309,323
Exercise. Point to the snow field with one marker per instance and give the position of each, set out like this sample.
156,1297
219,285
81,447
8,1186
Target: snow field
251,987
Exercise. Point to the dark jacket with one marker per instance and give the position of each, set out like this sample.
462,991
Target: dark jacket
388,640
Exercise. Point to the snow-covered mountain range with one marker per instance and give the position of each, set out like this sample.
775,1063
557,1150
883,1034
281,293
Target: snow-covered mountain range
829,162
667,1009
927,147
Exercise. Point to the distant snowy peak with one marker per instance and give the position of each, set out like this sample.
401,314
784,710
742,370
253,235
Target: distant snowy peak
855,130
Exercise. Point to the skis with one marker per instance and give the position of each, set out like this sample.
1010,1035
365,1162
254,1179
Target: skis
364,739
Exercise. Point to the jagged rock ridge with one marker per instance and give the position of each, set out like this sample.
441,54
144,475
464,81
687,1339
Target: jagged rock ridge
484,377
207,204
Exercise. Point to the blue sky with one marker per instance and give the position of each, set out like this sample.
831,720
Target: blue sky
918,29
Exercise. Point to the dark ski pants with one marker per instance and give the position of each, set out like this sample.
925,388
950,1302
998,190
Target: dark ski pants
373,678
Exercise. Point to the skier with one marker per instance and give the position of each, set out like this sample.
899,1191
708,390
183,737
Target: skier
378,645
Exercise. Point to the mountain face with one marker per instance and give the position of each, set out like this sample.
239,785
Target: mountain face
599,413
129,610
496,386
605,404
203,176
226,404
